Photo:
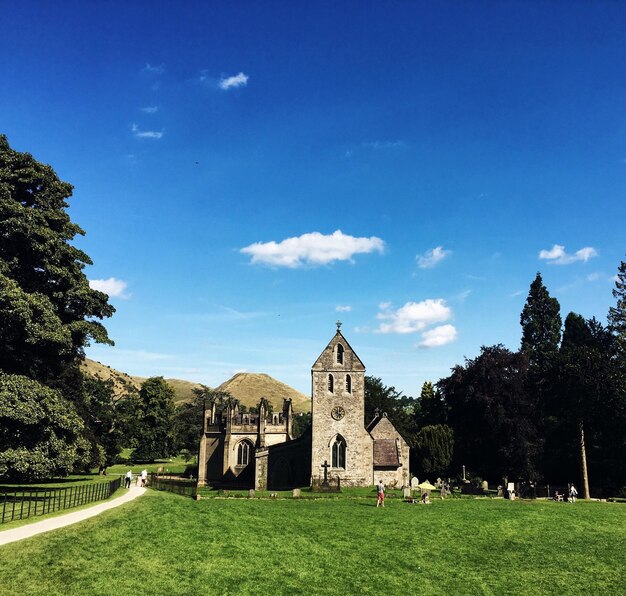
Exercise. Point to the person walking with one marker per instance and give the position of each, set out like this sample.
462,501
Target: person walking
144,477
573,493
380,491
127,480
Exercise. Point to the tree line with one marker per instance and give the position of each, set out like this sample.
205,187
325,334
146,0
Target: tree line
554,411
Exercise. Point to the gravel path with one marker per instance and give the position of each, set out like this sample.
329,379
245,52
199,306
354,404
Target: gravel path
46,525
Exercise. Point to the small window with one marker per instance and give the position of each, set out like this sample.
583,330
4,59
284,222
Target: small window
339,453
243,453
331,384
339,353
348,384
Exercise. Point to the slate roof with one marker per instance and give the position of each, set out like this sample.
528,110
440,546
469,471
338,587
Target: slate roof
386,453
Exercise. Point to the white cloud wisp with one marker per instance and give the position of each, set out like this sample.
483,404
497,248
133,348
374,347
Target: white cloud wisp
438,336
431,257
146,134
346,308
312,249
413,316
115,288
557,255
238,80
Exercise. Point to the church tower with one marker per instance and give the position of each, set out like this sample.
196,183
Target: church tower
339,437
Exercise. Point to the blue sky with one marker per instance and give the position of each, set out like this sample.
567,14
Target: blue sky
249,172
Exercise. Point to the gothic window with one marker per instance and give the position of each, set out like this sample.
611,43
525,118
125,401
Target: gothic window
331,384
348,384
243,453
339,353
339,453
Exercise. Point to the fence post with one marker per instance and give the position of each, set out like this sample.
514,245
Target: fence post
4,505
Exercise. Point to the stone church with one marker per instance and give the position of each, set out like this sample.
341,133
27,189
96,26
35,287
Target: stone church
258,450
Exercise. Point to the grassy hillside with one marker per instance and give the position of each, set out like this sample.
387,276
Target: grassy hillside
249,388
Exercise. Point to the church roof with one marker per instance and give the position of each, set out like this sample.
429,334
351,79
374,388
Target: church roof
321,362
386,453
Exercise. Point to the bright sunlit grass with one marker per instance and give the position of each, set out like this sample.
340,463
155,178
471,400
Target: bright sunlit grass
165,544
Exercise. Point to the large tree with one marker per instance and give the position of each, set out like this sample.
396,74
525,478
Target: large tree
155,439
541,326
617,313
41,432
48,312
434,445
491,414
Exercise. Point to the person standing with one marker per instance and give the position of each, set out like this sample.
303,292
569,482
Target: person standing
380,491
127,480
144,477
573,493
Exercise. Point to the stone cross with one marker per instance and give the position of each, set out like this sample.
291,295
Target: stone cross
325,466
338,325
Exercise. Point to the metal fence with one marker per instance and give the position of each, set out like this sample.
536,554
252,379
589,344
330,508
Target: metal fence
22,502
172,484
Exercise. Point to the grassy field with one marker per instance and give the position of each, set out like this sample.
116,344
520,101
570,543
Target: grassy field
165,544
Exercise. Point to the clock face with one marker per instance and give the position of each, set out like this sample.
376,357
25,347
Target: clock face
337,412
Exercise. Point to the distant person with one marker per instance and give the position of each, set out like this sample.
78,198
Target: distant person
573,493
425,499
144,477
380,491
127,480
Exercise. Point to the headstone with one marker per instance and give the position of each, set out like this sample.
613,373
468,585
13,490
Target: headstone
251,493
485,485
414,482
296,493
406,492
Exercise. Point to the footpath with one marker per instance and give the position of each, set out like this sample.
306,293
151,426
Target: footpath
61,521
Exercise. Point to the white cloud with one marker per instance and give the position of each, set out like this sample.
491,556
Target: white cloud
413,316
238,80
150,109
346,308
156,70
115,288
593,276
431,257
312,249
146,134
557,255
439,336
383,144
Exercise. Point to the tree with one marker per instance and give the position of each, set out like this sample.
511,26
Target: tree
157,409
434,446
541,326
491,414
40,432
399,408
48,311
430,409
617,313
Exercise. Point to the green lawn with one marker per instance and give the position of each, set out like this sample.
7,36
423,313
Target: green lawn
165,544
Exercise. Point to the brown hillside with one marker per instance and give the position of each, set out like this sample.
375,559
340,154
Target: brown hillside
249,388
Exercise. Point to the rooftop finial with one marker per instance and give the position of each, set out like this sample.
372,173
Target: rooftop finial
338,325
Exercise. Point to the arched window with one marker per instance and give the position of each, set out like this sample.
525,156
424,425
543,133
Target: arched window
331,384
243,453
348,384
339,353
339,453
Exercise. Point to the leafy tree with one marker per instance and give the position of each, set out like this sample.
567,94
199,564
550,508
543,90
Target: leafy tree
156,398
492,415
398,407
430,410
617,313
541,325
48,311
434,446
40,432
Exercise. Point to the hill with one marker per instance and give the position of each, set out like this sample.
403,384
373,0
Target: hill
125,383
249,388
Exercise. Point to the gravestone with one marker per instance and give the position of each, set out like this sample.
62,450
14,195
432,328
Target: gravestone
251,493
295,493
406,492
